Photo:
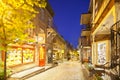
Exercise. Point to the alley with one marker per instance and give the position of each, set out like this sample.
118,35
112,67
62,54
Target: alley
64,71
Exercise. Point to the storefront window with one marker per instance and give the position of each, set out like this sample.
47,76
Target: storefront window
14,56
28,55
101,53
17,55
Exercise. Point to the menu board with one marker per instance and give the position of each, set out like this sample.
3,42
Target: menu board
101,53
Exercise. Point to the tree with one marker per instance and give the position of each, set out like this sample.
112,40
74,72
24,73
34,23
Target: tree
15,18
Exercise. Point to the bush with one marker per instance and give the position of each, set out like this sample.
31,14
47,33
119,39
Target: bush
98,77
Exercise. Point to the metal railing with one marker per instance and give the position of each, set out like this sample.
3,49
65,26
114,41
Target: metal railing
115,47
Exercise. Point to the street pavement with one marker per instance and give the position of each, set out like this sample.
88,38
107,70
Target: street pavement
70,70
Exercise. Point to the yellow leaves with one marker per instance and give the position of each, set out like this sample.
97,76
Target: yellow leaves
30,2
15,18
39,3
28,8
14,3
42,4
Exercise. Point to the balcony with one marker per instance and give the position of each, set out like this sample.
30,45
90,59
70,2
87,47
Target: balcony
85,38
85,33
85,18
85,42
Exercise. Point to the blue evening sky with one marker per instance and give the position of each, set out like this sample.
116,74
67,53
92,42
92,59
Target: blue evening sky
67,18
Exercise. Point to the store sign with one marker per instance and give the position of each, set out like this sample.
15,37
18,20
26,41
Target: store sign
101,53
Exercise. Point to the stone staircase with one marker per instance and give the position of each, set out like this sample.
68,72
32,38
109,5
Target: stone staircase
22,75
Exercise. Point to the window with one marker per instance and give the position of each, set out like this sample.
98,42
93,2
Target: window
27,55
101,53
14,56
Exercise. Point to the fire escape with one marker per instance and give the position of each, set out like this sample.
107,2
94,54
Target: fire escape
115,48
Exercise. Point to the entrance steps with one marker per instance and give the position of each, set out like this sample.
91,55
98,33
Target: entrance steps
22,75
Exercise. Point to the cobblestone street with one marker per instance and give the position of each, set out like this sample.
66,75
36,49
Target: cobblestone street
64,71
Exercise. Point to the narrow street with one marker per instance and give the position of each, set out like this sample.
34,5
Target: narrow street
64,71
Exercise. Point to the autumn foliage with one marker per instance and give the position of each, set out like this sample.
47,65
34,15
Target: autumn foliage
16,17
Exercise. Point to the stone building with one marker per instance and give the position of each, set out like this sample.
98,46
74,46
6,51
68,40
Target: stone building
103,19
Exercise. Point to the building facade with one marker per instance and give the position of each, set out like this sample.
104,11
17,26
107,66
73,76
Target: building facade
104,17
85,46
59,48
31,53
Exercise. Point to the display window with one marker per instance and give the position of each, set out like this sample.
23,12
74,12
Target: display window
101,53
19,55
28,55
14,56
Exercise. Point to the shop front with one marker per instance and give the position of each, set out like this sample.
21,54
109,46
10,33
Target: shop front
101,52
101,49
20,55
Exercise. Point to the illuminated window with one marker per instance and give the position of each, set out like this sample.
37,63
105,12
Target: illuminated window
14,56
27,55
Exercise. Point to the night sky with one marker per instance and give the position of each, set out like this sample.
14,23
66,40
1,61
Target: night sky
67,18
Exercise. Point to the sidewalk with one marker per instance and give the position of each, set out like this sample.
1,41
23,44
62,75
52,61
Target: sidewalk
22,75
